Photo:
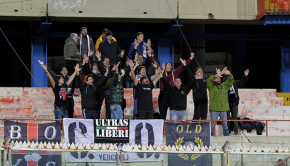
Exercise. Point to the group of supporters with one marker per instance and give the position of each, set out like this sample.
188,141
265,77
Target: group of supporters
95,69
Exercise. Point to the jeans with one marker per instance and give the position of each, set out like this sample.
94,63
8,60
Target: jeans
116,112
223,116
178,115
129,84
60,114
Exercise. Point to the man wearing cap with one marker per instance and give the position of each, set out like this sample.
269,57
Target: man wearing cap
110,49
85,43
143,93
102,38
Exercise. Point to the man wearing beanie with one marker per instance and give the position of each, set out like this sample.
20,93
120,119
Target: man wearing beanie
102,38
110,49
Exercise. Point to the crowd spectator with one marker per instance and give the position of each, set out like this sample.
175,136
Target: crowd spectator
169,75
70,88
143,93
60,93
71,52
218,94
234,101
88,92
199,94
110,49
178,96
139,45
102,38
85,43
116,95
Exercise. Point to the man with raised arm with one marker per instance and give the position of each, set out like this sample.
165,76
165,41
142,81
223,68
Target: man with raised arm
199,94
116,97
143,93
234,101
70,89
178,96
89,92
139,46
218,95
60,93
169,75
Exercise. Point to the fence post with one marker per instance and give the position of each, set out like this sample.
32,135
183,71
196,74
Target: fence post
9,156
118,159
122,158
224,159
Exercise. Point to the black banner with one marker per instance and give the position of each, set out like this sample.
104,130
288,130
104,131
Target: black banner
112,131
35,158
45,132
194,134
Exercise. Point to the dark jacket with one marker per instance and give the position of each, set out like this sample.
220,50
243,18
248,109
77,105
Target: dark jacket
70,51
234,99
102,69
111,51
177,97
116,89
97,77
199,90
83,46
88,92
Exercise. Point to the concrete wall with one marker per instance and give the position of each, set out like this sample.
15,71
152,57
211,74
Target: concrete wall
162,10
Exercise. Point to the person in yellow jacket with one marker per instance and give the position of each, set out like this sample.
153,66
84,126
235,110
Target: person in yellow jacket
101,38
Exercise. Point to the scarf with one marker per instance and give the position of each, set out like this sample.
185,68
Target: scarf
88,38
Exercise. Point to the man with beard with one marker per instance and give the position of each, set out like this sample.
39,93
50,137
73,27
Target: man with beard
89,91
143,93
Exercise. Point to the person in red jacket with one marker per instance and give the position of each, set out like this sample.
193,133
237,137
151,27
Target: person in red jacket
169,75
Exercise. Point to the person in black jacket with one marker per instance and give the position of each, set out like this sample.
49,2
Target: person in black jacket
93,69
178,96
199,94
110,49
234,101
89,91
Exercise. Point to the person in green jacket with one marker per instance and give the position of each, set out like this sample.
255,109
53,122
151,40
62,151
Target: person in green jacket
218,96
71,53
116,96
